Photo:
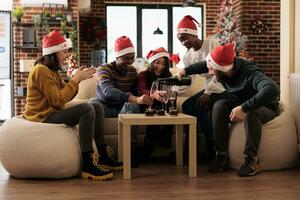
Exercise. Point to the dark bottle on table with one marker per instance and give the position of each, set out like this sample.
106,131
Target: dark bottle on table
186,80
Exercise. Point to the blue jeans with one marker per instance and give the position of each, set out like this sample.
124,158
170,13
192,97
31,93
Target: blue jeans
112,112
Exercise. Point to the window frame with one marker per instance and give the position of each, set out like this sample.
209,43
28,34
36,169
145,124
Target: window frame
169,8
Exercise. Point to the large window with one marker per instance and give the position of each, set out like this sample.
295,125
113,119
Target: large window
121,20
153,19
139,23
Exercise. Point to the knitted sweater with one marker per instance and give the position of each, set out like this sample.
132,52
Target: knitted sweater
46,93
115,84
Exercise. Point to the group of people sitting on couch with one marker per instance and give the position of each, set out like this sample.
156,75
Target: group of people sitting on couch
236,90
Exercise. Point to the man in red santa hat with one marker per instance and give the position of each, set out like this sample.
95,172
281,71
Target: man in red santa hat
252,98
117,87
199,104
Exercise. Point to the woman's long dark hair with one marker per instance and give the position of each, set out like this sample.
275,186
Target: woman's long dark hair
151,76
51,61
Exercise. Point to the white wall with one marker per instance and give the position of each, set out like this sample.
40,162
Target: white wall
6,5
39,3
287,46
297,36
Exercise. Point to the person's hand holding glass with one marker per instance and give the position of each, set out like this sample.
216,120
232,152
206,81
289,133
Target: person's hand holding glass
157,93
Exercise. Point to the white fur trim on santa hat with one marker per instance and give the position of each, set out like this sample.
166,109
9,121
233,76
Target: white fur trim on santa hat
158,55
216,66
188,30
53,49
124,51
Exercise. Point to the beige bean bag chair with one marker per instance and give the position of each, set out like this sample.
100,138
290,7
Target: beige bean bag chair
278,147
39,150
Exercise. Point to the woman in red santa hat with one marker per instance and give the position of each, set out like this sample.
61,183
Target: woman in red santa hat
159,60
47,94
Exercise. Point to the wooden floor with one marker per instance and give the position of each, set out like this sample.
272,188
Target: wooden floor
161,181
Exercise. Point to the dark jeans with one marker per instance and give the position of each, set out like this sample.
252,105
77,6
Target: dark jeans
192,107
253,125
89,116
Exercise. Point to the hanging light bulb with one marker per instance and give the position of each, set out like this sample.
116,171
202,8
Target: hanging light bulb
158,32
189,3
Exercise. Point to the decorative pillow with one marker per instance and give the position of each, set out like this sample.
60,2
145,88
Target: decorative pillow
39,150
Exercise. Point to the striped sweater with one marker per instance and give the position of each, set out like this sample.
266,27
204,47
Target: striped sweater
115,84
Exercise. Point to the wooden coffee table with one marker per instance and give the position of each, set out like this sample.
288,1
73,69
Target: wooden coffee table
125,122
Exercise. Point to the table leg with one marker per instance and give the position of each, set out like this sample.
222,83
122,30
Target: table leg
126,152
179,145
120,141
192,151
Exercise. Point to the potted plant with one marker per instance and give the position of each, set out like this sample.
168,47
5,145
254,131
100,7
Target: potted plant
18,13
47,14
58,16
37,23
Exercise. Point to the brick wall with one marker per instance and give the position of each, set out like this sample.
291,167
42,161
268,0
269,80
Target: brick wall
20,78
264,48
98,10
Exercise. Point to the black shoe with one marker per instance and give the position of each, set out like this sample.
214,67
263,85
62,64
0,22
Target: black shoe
250,168
106,160
220,163
91,169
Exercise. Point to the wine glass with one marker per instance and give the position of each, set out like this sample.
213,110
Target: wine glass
164,92
153,91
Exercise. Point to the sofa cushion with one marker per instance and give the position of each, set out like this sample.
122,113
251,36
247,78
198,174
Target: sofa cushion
87,88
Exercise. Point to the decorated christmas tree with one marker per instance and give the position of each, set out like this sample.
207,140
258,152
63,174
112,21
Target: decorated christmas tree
226,30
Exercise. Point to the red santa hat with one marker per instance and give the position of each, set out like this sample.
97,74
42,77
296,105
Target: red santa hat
188,25
221,57
54,42
157,53
123,45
